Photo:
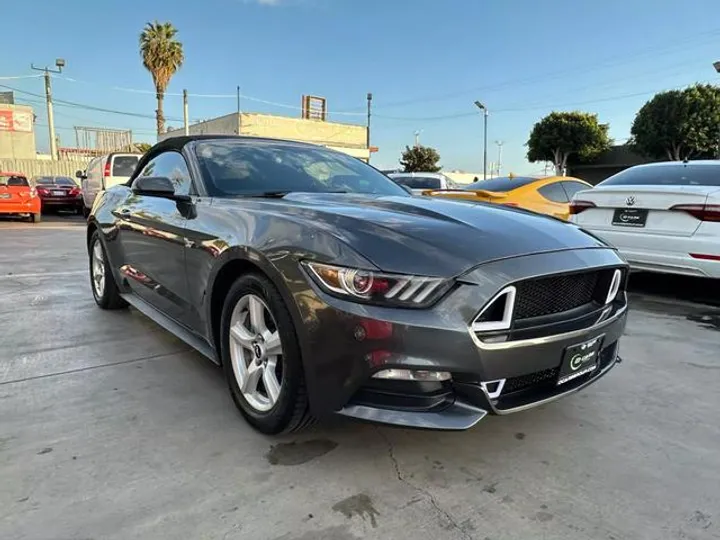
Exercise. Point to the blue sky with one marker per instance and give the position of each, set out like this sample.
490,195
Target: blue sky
425,61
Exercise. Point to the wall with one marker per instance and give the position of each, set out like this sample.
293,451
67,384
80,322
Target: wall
42,167
224,125
15,142
298,129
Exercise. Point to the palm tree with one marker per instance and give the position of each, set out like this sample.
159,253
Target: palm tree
162,56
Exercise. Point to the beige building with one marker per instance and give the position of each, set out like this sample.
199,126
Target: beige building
17,136
348,138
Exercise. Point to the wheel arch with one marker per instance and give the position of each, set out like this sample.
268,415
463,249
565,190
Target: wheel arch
235,263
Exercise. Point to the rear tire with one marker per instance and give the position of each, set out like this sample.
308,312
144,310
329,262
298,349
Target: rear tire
35,218
269,351
102,282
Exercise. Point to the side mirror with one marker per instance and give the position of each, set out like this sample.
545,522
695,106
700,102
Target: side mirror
79,174
157,186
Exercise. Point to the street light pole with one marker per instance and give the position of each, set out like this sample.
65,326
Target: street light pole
499,161
60,63
716,65
485,114
369,113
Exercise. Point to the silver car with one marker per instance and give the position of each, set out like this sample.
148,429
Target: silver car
421,181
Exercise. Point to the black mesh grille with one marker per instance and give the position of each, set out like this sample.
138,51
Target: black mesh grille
513,384
554,294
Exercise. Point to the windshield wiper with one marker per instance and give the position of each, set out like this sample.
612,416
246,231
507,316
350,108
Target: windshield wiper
281,194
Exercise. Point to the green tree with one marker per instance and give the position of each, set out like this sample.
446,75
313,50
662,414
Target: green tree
142,146
561,135
162,56
679,124
420,159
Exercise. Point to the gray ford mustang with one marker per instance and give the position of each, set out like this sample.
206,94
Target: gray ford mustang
322,287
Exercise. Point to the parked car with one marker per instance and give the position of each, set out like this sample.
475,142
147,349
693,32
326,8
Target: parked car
18,196
104,172
549,195
420,181
59,193
342,294
663,217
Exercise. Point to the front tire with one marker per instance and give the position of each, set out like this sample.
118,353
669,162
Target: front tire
261,357
102,281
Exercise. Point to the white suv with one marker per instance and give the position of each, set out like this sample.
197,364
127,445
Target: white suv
421,181
103,172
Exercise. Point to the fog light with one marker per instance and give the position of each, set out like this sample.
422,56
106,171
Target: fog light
412,375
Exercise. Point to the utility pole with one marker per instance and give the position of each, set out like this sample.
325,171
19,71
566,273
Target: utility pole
417,137
59,63
237,130
369,113
483,108
499,160
185,113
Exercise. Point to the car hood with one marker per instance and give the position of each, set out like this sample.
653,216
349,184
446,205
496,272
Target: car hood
429,236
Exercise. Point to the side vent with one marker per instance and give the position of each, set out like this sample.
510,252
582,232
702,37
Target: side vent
497,313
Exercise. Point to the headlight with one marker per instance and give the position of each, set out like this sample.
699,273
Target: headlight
377,288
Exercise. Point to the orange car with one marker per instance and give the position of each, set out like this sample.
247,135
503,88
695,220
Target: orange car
550,195
17,196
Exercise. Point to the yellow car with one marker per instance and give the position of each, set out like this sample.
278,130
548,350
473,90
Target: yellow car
550,195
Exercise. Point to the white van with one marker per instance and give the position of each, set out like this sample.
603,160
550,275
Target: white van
104,172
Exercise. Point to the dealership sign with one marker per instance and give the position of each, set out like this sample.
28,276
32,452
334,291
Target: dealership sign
16,121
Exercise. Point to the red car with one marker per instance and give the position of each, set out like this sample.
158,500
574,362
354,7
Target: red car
17,196
59,192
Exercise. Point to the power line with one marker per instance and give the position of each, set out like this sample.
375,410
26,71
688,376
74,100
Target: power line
91,107
213,96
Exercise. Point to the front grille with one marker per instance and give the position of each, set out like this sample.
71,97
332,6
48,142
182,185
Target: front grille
513,384
554,294
548,377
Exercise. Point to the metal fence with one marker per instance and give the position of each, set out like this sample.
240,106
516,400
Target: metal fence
43,167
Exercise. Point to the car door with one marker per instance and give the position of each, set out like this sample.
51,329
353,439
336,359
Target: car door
152,237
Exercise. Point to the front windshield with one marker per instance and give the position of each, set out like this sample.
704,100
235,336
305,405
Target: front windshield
234,167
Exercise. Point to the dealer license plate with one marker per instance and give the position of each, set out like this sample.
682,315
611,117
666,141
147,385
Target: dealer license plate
4,195
630,217
58,193
579,360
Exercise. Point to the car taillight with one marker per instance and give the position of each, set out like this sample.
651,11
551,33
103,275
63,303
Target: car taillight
703,212
74,192
580,206
106,171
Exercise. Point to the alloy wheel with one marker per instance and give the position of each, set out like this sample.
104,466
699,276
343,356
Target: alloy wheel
256,352
98,269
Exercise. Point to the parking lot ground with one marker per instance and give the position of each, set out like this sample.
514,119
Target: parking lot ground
110,428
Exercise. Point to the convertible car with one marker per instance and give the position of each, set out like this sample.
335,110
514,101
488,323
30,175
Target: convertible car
322,287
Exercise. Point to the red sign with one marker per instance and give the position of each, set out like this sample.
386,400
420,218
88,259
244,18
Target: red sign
16,121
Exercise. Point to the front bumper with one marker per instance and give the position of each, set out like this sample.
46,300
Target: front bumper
339,366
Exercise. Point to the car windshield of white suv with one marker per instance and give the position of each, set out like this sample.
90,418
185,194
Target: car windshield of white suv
667,175
234,168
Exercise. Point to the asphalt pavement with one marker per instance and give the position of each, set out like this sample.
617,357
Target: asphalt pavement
111,428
